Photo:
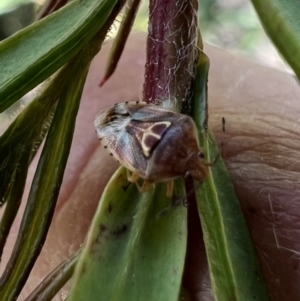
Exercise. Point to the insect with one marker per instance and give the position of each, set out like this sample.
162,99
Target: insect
153,143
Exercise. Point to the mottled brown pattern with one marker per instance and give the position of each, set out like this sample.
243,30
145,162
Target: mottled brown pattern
152,142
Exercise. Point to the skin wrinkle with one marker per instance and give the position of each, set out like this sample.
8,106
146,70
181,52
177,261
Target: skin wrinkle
259,147
277,138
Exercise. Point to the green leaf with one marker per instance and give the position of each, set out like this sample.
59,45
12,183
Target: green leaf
281,21
234,268
33,54
119,42
23,137
51,284
131,253
46,183
18,145
48,177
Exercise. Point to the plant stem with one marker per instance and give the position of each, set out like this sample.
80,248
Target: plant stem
51,6
171,52
48,288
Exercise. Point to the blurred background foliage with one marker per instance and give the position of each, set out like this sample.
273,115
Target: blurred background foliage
14,15
228,24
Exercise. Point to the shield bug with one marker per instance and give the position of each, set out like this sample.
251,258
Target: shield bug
153,143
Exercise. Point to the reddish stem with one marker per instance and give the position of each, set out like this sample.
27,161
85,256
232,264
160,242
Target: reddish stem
51,6
171,50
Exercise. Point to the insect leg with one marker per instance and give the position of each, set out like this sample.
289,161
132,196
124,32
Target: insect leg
132,177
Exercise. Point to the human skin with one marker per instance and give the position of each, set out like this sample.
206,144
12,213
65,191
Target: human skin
260,148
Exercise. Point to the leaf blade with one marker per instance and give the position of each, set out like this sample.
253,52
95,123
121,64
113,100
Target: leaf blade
280,20
234,268
45,186
33,54
128,252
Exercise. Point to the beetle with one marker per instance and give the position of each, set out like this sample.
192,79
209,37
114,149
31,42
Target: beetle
153,143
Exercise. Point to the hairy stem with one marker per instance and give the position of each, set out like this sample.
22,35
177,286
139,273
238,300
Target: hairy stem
171,52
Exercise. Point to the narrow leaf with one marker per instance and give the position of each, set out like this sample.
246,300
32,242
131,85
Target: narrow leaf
234,268
55,280
281,21
18,146
33,54
131,253
14,196
26,132
117,48
45,187
48,177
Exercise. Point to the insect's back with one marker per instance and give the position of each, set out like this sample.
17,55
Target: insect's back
169,158
152,142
